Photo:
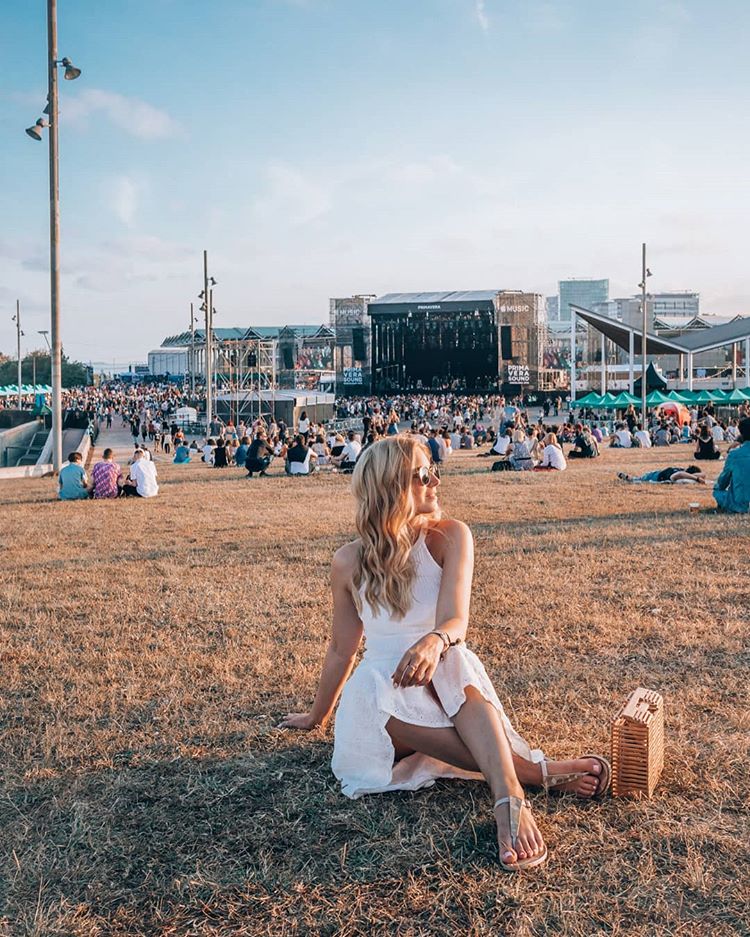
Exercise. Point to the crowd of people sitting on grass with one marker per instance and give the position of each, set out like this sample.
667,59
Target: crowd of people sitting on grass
493,425
107,478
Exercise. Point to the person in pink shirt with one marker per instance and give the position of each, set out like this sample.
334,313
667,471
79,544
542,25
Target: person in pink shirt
105,477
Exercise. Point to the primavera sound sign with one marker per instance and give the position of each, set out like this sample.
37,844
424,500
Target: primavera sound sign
518,374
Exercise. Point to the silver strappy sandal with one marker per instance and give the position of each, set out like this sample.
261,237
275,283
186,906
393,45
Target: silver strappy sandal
515,804
551,781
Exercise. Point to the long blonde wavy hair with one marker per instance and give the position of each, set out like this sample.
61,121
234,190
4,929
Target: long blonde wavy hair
385,511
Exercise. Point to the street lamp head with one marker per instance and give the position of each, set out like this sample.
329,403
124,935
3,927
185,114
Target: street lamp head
201,295
212,281
35,132
648,272
71,72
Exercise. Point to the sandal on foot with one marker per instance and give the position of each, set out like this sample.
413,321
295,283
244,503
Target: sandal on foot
515,804
551,781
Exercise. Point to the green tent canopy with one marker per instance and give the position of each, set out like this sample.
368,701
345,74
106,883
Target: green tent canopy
590,400
624,399
735,396
704,396
680,396
656,397
608,401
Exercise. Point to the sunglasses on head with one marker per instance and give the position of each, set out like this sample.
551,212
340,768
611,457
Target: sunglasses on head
425,473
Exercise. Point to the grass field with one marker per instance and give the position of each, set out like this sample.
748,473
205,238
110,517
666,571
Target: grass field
148,649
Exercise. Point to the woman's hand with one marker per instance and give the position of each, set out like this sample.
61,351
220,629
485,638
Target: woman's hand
418,665
303,721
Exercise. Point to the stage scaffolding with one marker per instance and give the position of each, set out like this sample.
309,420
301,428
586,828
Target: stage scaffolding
241,366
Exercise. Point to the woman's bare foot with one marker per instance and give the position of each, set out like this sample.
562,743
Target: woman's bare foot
587,786
529,842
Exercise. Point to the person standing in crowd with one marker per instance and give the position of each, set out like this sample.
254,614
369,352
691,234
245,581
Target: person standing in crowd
72,481
303,427
105,477
732,487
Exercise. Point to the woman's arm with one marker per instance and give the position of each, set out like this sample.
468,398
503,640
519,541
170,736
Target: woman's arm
418,665
342,648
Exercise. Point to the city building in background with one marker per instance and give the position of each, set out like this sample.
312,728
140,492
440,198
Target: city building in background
581,293
552,306
675,308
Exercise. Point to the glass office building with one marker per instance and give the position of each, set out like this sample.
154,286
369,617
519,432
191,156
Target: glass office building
582,293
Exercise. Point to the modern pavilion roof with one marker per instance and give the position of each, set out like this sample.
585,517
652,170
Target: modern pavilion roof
255,332
466,296
693,343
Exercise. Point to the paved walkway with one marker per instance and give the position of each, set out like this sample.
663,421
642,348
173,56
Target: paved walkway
120,441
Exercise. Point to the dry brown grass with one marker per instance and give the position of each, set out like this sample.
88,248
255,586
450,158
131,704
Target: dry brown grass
149,647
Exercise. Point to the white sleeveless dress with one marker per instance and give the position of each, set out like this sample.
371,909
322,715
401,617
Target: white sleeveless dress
363,754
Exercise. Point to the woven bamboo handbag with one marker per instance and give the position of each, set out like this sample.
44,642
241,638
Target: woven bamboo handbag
638,744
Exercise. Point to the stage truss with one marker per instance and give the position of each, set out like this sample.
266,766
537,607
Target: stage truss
243,368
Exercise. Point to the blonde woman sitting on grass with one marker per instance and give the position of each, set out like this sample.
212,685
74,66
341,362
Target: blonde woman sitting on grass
420,705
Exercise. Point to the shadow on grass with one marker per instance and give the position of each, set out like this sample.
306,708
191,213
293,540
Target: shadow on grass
179,833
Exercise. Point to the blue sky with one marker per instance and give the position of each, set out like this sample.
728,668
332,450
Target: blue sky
321,148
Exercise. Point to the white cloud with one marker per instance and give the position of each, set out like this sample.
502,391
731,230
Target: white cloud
481,15
424,171
135,117
125,199
292,198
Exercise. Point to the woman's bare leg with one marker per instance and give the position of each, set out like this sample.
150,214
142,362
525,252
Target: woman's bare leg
447,745
480,734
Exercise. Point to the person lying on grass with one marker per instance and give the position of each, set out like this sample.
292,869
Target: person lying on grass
420,705
668,475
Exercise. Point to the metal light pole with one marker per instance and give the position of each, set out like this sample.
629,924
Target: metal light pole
35,132
214,356
192,352
645,272
19,333
54,241
207,346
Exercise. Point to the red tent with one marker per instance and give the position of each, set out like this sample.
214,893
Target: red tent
678,411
